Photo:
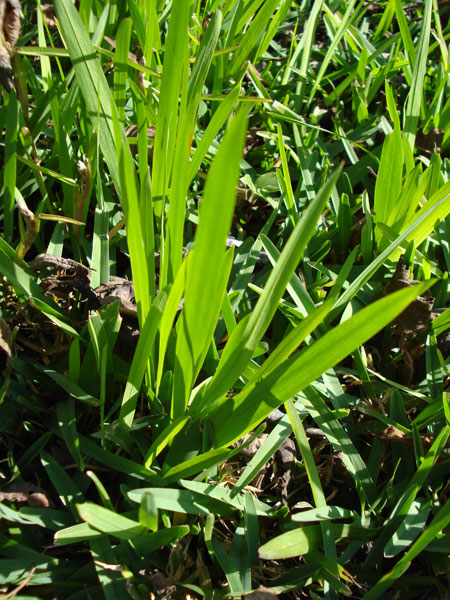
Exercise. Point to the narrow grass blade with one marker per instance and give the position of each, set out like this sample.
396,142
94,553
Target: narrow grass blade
389,178
10,166
412,112
180,184
68,426
119,463
426,218
237,415
241,345
219,117
91,80
140,359
175,62
339,439
132,211
207,271
437,525
314,479
249,40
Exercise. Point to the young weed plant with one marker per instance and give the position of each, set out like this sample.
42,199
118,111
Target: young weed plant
265,407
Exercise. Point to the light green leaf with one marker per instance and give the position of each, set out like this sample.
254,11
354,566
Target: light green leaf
241,413
108,521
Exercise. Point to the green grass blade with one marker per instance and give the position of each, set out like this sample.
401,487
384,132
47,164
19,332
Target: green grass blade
140,360
67,422
175,62
338,35
10,166
249,39
389,179
121,66
242,344
413,105
208,268
339,439
434,210
437,525
91,80
240,414
219,117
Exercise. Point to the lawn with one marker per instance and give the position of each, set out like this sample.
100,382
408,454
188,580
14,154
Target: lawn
224,322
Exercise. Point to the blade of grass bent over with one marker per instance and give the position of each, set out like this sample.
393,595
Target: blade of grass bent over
238,415
241,344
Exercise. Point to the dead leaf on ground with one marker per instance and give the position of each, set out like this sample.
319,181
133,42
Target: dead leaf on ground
5,348
261,593
26,494
416,317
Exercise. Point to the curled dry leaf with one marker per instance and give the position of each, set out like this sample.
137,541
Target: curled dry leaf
26,494
5,348
11,23
261,593
9,33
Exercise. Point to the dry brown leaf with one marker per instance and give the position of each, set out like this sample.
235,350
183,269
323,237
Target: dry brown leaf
5,348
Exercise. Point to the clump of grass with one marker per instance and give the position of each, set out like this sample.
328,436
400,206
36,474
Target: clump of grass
123,473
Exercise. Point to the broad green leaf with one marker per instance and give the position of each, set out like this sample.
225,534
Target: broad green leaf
108,521
148,512
323,513
412,525
148,543
175,62
236,500
302,540
183,501
75,534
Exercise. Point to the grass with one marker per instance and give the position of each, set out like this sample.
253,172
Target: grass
317,135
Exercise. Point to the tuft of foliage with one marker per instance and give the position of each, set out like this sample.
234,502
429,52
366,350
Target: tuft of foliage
267,411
